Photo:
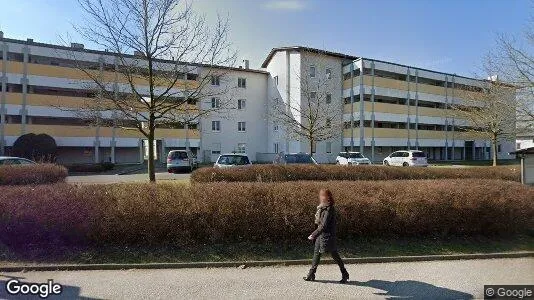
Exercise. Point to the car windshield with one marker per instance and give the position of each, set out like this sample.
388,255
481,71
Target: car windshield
233,160
418,154
178,155
355,155
298,159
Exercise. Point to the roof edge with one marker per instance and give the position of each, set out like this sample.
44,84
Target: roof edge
306,49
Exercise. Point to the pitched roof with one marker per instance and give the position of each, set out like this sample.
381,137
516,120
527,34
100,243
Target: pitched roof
306,49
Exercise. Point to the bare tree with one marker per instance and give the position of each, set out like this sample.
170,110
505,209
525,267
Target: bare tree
513,61
488,111
166,59
312,114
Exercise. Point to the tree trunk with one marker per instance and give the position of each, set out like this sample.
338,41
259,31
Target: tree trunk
151,167
494,144
311,146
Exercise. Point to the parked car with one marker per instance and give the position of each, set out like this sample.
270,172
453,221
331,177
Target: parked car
10,160
181,160
352,158
406,158
293,158
232,160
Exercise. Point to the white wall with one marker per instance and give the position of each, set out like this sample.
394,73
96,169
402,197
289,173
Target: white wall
254,116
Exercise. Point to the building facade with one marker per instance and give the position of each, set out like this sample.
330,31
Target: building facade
384,107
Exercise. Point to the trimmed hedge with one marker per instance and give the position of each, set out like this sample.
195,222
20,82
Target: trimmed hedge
170,213
32,174
276,173
91,168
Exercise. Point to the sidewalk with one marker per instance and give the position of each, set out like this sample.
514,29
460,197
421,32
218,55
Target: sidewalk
451,279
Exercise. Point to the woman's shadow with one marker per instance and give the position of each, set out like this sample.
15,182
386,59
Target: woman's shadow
408,289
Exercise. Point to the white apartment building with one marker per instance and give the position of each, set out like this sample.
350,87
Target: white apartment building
385,107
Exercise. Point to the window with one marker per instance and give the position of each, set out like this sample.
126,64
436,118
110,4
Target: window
275,78
275,147
499,148
313,95
328,73
312,71
328,122
328,147
241,104
275,127
241,148
215,103
216,148
241,82
241,126
518,146
216,125
215,80
328,98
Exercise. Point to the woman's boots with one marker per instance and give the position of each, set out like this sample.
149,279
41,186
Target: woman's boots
344,276
311,276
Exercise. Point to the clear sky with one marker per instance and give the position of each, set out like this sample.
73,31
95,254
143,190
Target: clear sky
445,35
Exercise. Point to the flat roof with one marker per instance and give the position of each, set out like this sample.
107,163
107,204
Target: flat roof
422,69
306,49
67,48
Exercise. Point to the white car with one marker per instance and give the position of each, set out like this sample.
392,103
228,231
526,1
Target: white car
232,160
406,158
178,160
352,158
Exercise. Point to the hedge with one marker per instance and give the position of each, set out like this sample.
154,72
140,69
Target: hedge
32,174
275,173
170,213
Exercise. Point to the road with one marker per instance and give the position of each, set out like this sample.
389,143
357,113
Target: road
415,280
95,179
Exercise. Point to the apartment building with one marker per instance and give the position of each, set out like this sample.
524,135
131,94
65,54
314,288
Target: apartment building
384,107
41,92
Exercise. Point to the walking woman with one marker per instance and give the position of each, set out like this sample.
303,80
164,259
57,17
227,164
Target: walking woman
325,235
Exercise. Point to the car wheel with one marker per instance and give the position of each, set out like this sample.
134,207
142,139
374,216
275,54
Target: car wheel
337,163
405,164
386,163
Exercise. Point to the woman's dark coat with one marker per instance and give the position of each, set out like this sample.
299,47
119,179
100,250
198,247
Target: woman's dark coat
325,234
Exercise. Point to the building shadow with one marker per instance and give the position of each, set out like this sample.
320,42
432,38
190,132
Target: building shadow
68,292
409,289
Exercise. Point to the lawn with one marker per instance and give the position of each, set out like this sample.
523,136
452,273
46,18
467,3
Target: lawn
364,247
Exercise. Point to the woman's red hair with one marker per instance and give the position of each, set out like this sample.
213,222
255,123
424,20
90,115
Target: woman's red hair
328,195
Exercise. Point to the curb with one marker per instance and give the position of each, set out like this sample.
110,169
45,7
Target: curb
266,263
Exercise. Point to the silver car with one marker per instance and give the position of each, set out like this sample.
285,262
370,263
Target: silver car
181,160
10,160
232,160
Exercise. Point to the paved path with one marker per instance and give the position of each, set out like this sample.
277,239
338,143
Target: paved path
415,280
93,179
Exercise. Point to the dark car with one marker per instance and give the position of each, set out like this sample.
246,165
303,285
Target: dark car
293,158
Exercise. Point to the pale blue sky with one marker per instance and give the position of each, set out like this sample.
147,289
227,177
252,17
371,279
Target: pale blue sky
449,35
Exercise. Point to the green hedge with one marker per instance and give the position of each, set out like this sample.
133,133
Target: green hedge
275,173
170,213
32,174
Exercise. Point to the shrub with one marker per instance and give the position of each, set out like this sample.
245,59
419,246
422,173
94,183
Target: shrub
38,147
275,173
91,168
148,214
32,174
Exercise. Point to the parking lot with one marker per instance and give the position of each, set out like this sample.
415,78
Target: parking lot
105,179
